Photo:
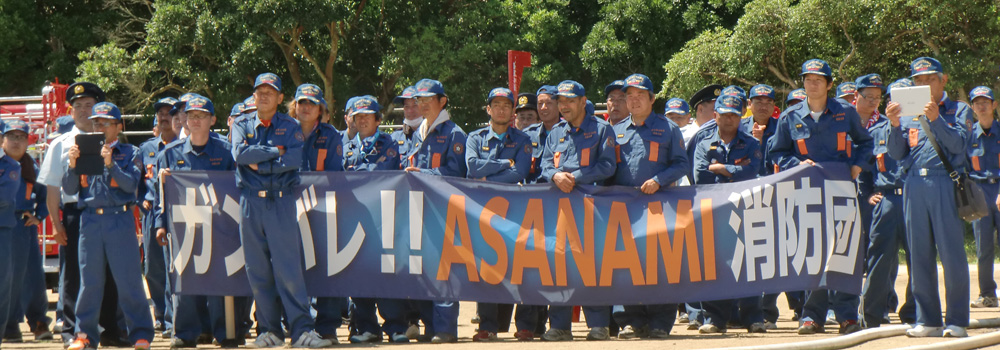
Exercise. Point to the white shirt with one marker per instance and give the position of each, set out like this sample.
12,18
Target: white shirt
424,128
55,162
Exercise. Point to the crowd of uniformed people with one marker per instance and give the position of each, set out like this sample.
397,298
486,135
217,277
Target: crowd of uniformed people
719,135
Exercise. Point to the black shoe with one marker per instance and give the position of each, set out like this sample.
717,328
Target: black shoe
205,338
178,343
115,342
13,337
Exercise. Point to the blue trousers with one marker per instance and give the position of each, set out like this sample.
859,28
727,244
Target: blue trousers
844,305
719,312
986,230
108,241
6,265
155,269
489,319
329,314
273,248
201,314
36,301
769,304
658,316
560,317
887,234
446,317
25,270
933,226
526,318
393,311
696,312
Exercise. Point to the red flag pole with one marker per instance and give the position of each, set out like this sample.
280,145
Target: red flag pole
516,61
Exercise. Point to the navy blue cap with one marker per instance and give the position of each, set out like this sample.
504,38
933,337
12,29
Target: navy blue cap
429,87
164,102
590,108
16,125
366,104
733,90
925,65
638,81
903,82
65,123
237,109
526,100
546,90
615,85
407,94
570,89
676,105
500,92
84,89
816,66
269,79
250,104
349,106
762,90
869,81
179,105
729,104
846,88
309,92
796,95
981,91
200,103
106,110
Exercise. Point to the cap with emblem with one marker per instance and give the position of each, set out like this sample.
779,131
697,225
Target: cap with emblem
796,95
903,82
200,103
179,105
816,66
269,79
237,109
106,110
526,100
429,87
706,94
762,90
676,105
729,104
407,94
925,65
981,91
869,81
615,85
500,92
349,106
249,104
84,89
164,102
365,105
846,88
66,124
308,92
736,91
16,125
638,81
546,90
570,89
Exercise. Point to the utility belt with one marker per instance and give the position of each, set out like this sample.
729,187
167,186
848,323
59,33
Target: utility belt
890,190
990,181
112,210
272,194
928,172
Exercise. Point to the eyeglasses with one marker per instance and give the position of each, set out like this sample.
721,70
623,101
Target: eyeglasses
425,99
872,99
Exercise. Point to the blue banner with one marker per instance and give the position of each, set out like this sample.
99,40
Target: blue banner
415,236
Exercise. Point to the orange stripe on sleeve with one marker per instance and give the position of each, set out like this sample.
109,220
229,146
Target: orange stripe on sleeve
654,151
27,190
841,141
83,181
802,147
975,163
436,160
585,157
321,159
555,159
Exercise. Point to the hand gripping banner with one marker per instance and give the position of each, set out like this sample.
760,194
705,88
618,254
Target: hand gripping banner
414,236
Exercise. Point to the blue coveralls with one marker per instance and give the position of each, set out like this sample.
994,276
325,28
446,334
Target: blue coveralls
984,160
269,229
538,134
323,151
488,157
930,213
27,269
191,311
652,150
887,231
155,255
441,152
376,152
404,141
107,240
10,179
587,152
743,158
799,137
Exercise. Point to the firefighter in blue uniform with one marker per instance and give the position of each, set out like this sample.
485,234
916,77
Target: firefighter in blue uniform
984,159
548,112
846,91
107,233
411,121
371,149
729,155
500,153
154,255
267,146
199,151
795,97
887,231
650,157
438,149
10,180
822,130
579,150
929,202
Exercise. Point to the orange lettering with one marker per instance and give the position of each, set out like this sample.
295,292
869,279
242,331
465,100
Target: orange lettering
708,238
657,234
620,259
493,274
456,254
533,224
566,230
